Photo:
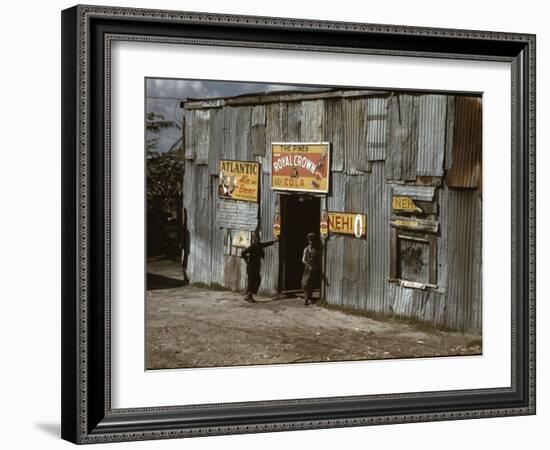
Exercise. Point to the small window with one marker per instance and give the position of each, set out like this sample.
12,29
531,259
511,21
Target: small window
414,231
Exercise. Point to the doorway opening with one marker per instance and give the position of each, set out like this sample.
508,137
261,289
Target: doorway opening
300,215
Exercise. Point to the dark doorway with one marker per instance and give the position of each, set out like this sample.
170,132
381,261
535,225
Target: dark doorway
300,215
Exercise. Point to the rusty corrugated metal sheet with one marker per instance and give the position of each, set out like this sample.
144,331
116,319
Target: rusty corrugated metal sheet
432,116
465,169
333,133
376,128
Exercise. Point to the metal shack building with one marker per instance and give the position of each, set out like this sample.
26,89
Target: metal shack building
410,161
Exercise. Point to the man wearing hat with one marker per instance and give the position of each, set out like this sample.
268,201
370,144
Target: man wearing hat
312,267
253,256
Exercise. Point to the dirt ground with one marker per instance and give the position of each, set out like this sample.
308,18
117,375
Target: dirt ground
189,326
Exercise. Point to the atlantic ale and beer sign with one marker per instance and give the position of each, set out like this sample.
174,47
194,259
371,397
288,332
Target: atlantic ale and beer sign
300,166
239,180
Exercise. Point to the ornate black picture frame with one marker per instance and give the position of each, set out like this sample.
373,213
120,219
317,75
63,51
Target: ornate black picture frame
87,34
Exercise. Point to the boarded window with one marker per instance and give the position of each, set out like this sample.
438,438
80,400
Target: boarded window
413,238
413,259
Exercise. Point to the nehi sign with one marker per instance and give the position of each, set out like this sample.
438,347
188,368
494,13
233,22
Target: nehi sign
347,223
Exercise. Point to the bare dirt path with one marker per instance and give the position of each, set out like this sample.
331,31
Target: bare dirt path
188,326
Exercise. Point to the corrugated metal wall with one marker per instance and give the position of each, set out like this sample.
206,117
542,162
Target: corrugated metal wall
379,140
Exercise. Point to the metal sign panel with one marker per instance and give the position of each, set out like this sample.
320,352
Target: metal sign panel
239,180
240,238
300,166
347,223
404,203
277,225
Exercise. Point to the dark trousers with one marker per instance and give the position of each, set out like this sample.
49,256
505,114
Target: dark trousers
253,280
309,281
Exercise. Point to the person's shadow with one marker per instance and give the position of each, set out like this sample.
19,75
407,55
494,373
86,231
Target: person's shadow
155,282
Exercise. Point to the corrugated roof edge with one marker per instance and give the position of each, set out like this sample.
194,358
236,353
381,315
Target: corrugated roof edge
296,96
278,96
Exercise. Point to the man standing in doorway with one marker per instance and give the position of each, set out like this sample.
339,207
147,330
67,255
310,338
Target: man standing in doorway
312,267
253,256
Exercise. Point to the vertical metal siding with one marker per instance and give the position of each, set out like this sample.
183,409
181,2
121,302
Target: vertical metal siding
335,243
333,132
376,128
200,213
190,135
292,121
240,125
217,238
202,131
270,265
393,152
258,130
216,140
402,138
376,206
463,260
313,117
449,132
354,261
355,134
431,135
273,133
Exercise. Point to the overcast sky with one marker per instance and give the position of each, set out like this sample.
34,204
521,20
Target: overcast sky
163,97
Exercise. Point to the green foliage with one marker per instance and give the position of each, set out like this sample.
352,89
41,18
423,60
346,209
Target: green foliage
164,179
155,123
164,190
